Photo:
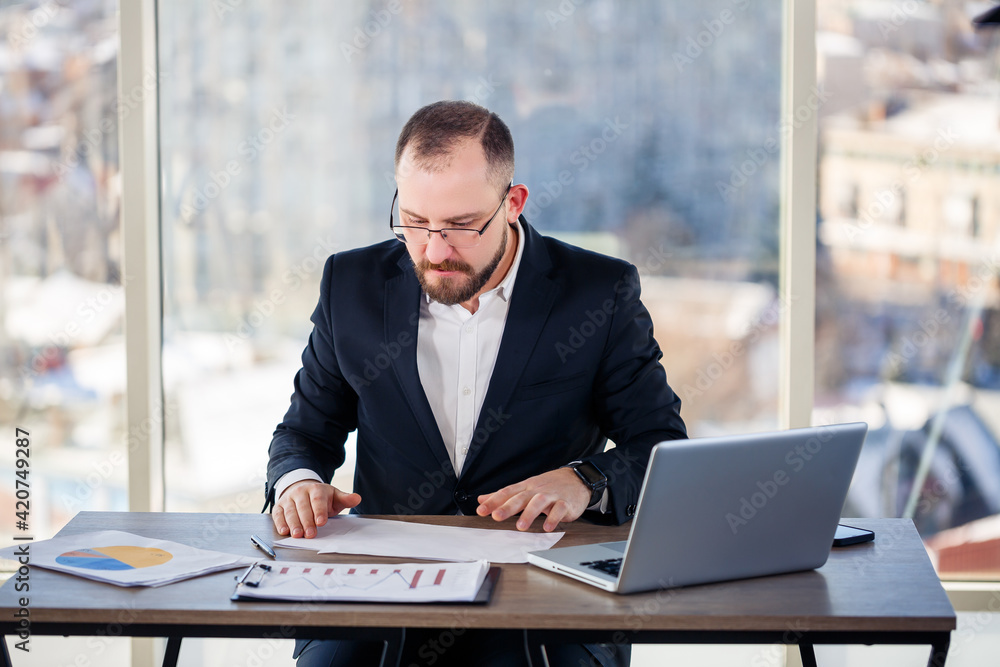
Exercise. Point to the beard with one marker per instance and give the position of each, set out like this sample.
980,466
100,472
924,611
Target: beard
458,289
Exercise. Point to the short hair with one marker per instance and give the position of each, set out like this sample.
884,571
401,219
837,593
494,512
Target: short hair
435,129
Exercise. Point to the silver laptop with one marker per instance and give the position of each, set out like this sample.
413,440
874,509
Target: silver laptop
713,509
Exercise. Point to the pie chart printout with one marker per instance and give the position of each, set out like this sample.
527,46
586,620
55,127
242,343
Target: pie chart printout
114,558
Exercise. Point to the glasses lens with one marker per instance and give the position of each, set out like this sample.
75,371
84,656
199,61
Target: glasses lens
413,235
461,238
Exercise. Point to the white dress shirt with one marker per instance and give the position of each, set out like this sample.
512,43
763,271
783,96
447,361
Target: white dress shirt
455,384
456,352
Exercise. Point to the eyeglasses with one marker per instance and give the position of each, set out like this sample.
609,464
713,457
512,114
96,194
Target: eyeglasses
458,237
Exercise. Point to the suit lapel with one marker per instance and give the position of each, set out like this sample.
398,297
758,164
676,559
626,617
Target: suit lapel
532,299
402,314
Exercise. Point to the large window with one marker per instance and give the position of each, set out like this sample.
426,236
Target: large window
908,326
278,129
62,357
649,130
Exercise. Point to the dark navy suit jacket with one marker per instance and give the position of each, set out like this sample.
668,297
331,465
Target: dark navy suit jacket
577,365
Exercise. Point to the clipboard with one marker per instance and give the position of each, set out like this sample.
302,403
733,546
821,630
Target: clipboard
254,576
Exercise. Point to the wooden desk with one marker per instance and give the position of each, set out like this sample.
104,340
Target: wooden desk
884,592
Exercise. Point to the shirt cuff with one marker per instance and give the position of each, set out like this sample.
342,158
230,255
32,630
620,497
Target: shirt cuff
600,506
290,478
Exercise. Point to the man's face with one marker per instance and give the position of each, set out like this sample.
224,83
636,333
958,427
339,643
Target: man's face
459,195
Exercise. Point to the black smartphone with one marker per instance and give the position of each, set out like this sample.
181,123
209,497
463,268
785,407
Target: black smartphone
850,535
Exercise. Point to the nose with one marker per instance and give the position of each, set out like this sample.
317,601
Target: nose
437,249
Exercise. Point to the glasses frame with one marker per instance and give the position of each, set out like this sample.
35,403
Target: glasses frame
444,230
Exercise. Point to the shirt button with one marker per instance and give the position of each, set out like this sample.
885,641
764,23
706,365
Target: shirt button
465,450
466,391
469,329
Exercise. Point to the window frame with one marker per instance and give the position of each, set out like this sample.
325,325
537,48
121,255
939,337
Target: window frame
140,210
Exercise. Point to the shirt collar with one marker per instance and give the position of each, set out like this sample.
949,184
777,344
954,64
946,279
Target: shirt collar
506,286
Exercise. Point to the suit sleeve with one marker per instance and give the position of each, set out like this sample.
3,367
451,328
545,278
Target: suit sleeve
323,406
635,406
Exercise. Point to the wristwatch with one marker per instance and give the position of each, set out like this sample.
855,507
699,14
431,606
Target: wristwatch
592,476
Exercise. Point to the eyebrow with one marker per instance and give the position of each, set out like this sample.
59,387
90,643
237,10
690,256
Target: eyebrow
467,217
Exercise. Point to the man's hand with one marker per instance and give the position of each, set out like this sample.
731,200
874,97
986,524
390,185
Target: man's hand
558,494
307,504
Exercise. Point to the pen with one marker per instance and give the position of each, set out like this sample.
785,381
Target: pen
262,545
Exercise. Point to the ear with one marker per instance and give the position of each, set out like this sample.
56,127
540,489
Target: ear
517,199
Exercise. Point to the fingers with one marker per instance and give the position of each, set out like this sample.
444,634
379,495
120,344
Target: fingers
341,501
278,516
558,494
306,516
489,503
307,505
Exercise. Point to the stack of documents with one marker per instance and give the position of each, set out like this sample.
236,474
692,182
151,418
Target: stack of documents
360,582
123,559
350,534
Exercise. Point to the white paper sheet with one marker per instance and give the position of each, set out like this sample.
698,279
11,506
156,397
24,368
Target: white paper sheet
350,534
124,559
360,582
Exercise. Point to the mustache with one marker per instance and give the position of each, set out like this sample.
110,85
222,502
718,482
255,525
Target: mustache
447,265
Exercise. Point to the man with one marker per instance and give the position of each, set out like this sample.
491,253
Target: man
483,365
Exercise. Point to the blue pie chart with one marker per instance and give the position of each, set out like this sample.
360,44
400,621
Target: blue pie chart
114,558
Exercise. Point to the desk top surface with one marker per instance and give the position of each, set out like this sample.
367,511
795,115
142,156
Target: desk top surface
885,585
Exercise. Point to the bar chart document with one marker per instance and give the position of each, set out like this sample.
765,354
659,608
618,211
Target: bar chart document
359,582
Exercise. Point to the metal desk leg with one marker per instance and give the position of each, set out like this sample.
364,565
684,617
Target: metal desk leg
173,652
939,651
535,650
808,655
393,651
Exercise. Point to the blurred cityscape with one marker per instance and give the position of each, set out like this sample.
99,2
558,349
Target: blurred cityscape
646,130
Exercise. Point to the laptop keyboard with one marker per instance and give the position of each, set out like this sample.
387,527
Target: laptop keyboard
608,566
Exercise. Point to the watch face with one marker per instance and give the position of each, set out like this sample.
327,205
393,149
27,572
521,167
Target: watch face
592,475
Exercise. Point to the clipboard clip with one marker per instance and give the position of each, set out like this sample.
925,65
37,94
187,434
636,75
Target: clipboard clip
258,570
